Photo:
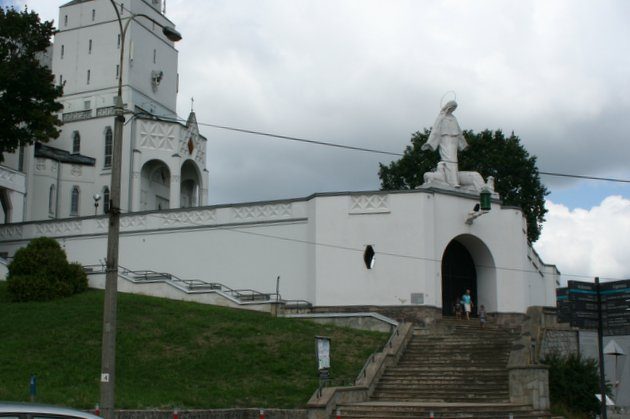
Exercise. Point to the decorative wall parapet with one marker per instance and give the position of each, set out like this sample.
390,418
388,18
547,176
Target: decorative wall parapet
183,218
369,204
262,212
61,228
11,232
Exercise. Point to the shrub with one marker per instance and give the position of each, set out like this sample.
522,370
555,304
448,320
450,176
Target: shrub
573,383
77,277
41,272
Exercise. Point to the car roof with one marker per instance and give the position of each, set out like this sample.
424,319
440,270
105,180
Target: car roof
16,407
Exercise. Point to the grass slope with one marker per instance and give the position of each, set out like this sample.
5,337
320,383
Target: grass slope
169,353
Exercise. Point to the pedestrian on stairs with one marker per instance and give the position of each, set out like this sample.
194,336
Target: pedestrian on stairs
482,316
467,301
457,309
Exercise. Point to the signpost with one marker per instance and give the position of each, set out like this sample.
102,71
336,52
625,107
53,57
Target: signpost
562,302
616,298
577,305
322,351
604,307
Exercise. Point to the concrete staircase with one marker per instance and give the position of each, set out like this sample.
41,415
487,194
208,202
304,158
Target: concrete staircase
454,369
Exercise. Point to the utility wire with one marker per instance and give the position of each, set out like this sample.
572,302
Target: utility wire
368,150
360,251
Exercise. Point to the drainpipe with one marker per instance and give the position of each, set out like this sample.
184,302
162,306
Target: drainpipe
58,190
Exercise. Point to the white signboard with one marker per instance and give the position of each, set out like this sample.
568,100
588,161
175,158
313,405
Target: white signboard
323,352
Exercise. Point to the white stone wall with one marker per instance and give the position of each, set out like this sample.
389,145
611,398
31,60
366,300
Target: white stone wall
316,246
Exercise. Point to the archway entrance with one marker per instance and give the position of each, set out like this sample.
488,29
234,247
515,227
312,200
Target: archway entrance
189,186
155,186
458,275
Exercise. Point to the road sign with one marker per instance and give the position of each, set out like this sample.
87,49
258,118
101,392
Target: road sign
583,304
577,304
562,302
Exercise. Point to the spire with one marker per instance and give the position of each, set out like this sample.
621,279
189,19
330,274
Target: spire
192,120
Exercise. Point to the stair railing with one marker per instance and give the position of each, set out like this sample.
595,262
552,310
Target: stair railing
372,357
244,295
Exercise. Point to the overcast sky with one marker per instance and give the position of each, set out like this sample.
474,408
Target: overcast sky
370,73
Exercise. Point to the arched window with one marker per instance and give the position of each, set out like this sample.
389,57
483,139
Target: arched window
51,201
107,160
76,142
74,203
105,200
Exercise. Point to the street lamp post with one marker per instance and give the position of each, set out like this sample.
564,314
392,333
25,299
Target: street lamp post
96,198
108,349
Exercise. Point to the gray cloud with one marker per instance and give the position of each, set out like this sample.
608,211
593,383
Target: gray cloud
370,73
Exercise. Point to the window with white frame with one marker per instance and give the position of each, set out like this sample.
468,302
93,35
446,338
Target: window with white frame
107,157
105,200
76,142
74,201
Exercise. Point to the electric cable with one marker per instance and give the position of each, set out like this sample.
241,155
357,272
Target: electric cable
365,149
360,251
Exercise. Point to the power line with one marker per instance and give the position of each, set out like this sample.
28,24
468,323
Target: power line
606,179
360,251
370,150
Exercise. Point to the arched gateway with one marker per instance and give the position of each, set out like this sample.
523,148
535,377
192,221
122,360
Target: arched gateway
468,264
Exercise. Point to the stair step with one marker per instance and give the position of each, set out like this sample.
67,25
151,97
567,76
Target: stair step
454,369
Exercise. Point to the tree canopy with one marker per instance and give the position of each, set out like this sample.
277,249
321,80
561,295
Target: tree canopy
490,153
28,96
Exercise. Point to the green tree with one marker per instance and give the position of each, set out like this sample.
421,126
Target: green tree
491,154
28,97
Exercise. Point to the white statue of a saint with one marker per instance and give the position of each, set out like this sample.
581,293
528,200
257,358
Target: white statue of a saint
447,136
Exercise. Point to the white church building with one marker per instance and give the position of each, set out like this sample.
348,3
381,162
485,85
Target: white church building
419,248
164,162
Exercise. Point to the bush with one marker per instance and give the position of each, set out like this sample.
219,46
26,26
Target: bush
77,277
41,272
573,383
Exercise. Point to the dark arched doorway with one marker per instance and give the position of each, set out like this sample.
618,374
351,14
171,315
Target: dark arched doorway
458,275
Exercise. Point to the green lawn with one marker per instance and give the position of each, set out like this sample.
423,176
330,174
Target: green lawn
170,354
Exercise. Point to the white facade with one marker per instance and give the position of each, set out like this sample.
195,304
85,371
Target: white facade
316,245
425,251
163,162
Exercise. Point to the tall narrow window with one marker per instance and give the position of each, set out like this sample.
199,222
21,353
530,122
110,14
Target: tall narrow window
76,142
60,80
105,200
74,203
107,160
62,51
117,71
90,46
118,42
368,256
93,15
51,201
122,8
88,77
65,20
154,56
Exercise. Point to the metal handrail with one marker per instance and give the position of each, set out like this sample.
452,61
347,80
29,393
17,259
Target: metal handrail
243,295
372,357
